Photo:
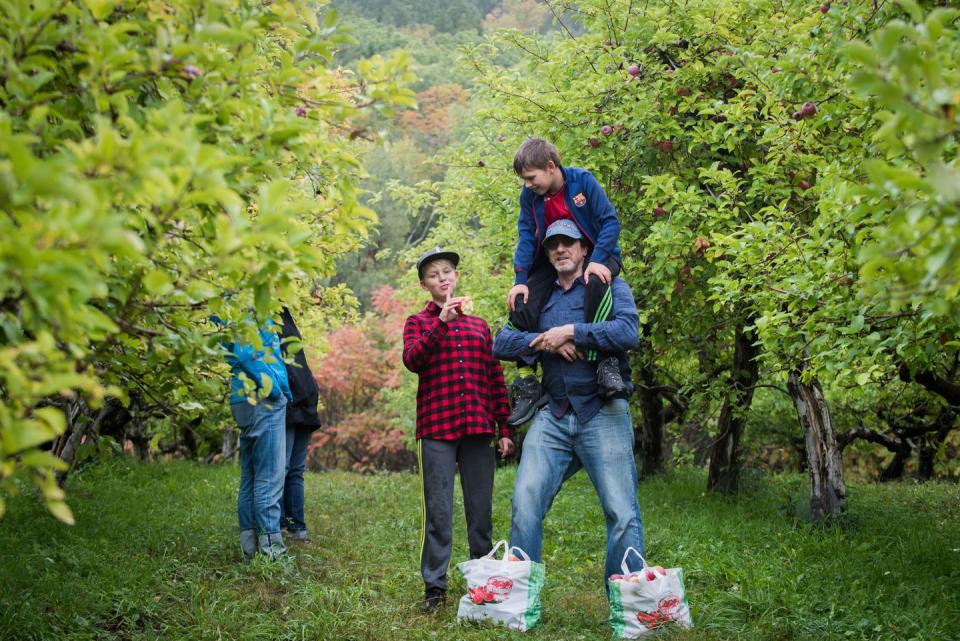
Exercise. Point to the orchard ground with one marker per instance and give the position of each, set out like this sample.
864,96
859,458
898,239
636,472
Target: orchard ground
154,555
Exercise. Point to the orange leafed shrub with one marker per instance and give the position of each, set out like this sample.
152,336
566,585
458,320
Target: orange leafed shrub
434,120
360,431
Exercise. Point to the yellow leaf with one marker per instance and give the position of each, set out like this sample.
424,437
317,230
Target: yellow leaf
60,510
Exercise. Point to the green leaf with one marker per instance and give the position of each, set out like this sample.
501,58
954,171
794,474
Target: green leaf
52,417
912,9
25,434
101,8
158,282
42,460
860,52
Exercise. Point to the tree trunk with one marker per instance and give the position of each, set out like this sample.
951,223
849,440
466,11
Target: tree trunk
928,446
79,430
827,491
650,441
724,471
894,470
228,443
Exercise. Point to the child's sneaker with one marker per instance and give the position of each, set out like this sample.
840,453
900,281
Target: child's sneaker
527,396
609,379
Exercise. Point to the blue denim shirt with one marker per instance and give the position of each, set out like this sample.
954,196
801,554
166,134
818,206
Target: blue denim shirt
576,382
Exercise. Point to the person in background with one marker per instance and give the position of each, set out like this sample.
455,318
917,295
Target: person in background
259,393
302,420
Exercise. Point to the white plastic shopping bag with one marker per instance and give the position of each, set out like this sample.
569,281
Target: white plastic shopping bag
502,591
643,601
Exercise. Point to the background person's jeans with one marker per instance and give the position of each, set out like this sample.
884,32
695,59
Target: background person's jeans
262,467
553,450
291,515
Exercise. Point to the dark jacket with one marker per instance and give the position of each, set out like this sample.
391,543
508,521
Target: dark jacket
592,212
302,410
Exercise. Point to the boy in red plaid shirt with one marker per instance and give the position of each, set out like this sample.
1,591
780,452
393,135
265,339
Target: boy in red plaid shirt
461,399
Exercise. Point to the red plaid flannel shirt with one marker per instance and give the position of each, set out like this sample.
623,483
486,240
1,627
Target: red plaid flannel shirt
461,389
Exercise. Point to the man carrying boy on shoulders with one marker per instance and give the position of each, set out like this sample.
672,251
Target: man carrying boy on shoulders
579,427
552,192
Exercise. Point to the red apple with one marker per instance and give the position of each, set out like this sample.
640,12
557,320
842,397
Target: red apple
797,115
649,573
606,130
824,8
808,109
683,91
804,184
659,211
594,142
660,570
633,70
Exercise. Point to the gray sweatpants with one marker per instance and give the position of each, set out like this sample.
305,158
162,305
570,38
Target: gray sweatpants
439,462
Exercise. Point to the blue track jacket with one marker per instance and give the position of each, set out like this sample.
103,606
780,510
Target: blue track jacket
592,212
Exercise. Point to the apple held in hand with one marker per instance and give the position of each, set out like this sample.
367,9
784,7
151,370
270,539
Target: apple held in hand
464,306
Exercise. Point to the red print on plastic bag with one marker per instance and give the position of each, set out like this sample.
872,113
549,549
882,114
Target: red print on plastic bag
666,611
496,590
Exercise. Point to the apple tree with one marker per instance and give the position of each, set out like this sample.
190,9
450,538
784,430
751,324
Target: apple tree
159,163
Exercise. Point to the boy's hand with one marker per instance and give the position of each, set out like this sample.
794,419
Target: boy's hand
569,352
516,290
600,270
505,447
451,308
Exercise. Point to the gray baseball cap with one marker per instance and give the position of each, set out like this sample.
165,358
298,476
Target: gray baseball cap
436,254
563,227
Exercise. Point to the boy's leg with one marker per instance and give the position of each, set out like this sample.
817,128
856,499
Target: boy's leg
525,393
597,308
526,314
438,465
269,468
243,415
292,516
476,460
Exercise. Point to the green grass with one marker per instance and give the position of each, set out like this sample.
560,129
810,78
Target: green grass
153,555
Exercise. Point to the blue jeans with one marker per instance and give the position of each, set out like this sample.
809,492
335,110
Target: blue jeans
556,448
291,515
262,466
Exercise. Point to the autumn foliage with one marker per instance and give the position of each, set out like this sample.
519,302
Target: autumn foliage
436,116
362,431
